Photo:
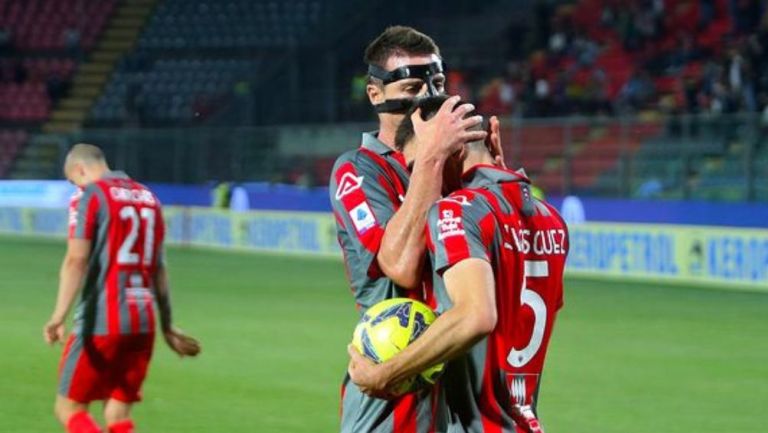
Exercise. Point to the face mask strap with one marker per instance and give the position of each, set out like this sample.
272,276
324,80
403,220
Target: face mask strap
425,73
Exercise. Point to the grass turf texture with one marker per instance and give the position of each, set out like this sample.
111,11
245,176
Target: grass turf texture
625,357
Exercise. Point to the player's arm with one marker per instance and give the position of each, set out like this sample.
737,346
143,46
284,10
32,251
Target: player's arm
179,342
401,254
83,220
470,285
163,297
71,274
461,255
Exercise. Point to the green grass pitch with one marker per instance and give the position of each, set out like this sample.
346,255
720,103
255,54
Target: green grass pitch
625,357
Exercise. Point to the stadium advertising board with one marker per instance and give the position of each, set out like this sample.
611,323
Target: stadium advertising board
710,255
289,232
37,193
719,256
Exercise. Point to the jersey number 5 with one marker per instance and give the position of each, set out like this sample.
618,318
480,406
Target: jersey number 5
125,255
533,269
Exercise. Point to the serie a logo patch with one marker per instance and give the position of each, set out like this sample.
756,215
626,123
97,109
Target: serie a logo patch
362,217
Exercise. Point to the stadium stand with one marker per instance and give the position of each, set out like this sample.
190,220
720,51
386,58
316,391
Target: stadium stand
617,79
11,142
188,63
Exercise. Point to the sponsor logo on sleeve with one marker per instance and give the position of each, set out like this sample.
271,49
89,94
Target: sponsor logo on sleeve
348,183
449,225
362,217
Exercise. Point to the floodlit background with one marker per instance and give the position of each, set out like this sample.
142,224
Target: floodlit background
644,121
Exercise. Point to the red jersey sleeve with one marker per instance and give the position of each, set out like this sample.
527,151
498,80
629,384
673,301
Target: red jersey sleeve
363,203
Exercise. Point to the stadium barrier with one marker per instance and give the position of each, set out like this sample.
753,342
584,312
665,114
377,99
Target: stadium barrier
720,256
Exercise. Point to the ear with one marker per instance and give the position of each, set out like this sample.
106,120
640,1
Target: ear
375,93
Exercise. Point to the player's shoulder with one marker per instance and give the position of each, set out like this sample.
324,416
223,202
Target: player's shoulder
90,190
468,202
150,191
357,160
76,195
550,212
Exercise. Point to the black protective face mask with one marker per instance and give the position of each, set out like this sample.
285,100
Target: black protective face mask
425,73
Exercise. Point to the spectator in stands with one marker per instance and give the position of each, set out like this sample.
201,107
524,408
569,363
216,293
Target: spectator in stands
685,53
496,97
456,84
746,15
740,82
584,50
637,92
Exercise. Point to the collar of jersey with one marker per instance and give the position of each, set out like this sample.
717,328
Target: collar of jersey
116,174
486,174
372,143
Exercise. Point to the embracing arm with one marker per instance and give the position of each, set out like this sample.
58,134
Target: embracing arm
402,250
403,247
470,285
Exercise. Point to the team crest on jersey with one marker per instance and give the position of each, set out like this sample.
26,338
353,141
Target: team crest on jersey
362,217
458,199
348,183
449,225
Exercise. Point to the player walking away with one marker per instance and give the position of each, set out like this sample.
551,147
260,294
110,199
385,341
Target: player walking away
380,205
114,254
498,255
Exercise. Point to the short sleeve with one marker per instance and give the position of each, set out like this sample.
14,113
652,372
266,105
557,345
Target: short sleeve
363,202
459,230
83,213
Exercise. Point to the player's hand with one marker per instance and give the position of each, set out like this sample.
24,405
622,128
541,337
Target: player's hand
182,344
526,419
53,331
446,133
493,142
367,375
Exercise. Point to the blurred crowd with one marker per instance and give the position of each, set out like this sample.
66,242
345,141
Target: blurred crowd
614,57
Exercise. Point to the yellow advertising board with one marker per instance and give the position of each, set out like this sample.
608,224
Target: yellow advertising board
701,254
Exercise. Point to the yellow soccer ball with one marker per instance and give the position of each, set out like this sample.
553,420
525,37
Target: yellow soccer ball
387,328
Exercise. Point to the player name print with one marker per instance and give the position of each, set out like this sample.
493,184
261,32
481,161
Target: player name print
540,242
348,183
141,196
449,225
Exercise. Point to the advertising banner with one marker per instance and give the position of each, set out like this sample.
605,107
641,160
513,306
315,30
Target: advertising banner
719,256
698,254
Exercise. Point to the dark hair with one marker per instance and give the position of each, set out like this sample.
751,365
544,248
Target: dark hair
398,40
429,105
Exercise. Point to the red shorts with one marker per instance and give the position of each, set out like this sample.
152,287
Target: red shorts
105,367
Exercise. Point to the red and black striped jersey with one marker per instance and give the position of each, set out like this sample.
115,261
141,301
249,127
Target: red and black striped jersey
367,187
495,218
124,222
